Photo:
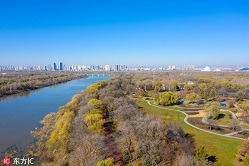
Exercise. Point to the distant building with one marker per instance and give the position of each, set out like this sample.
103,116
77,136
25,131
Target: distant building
188,67
244,69
49,67
117,67
207,68
79,68
107,68
61,66
54,66
123,67
171,67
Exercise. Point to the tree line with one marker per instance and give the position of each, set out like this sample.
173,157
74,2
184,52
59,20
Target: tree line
25,82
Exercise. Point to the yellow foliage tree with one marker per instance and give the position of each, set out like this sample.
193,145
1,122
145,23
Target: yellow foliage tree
59,137
93,89
106,162
95,103
94,121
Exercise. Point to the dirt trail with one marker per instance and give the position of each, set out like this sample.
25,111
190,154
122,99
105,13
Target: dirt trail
110,149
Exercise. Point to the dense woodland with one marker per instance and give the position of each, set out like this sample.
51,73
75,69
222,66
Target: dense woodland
17,82
104,126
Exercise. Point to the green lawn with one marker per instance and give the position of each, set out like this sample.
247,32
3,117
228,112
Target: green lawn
224,148
225,118
245,126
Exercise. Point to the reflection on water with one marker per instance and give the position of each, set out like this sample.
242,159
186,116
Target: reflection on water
21,113
14,96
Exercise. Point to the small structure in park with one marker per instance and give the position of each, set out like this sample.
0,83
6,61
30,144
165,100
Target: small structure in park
223,105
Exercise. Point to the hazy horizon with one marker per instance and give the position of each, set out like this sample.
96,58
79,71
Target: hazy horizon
140,33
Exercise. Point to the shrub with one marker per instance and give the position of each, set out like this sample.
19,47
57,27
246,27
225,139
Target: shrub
95,103
106,162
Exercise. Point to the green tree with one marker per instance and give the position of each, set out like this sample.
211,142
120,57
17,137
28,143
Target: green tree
213,109
173,84
201,154
192,97
167,98
188,87
204,90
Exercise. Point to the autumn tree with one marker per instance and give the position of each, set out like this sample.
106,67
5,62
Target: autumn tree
141,92
93,89
188,87
192,97
212,93
159,143
95,103
94,121
243,151
213,109
167,98
204,90
240,95
245,108
174,84
106,162
157,86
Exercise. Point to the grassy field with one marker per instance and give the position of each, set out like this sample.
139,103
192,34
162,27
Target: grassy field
225,149
225,118
245,126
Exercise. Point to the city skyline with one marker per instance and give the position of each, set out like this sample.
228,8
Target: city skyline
107,67
141,33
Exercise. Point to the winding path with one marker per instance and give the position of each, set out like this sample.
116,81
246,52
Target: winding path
186,118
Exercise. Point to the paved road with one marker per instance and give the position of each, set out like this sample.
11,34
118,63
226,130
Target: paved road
237,132
205,119
186,118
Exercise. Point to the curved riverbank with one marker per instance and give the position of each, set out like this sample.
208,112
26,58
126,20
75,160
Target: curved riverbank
19,82
23,113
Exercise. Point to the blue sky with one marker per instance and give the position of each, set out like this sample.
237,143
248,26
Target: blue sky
136,33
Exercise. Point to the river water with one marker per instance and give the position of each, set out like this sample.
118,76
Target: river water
19,114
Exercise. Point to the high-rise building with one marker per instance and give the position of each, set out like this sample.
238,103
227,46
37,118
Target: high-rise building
61,66
123,67
188,67
171,67
107,68
207,68
49,67
117,67
54,66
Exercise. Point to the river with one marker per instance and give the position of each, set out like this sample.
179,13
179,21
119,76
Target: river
20,114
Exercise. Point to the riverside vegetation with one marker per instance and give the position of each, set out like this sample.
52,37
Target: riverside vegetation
17,82
109,124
